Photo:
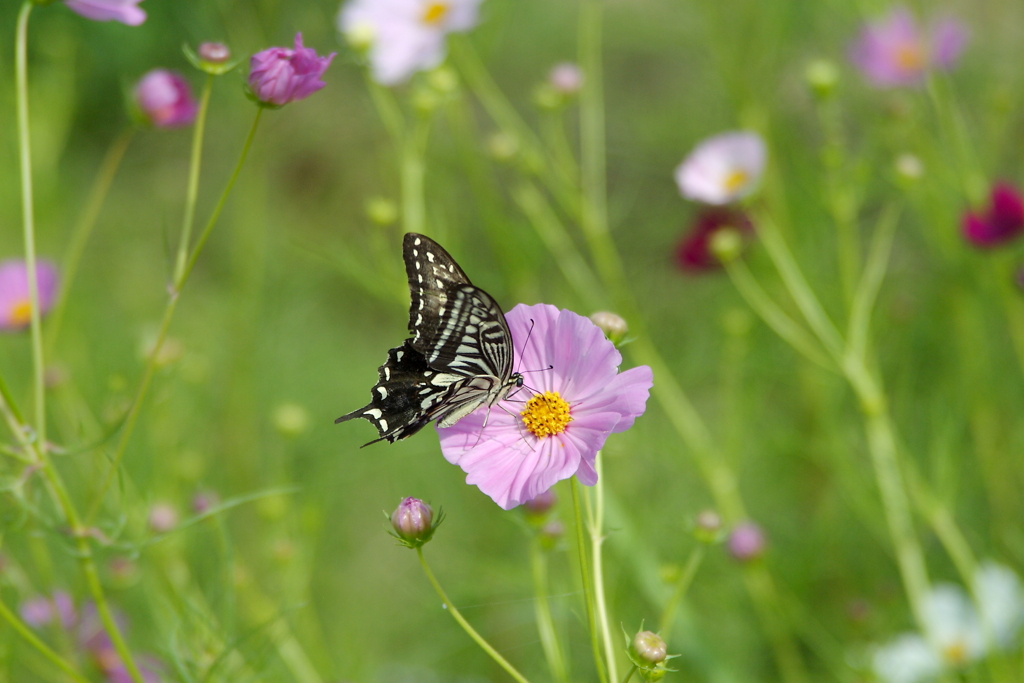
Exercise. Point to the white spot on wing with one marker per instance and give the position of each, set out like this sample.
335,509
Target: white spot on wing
375,413
383,392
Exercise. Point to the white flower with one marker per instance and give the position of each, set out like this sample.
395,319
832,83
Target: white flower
404,36
955,636
723,168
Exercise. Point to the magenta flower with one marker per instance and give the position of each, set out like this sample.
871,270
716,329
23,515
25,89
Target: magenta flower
44,610
280,75
746,542
124,11
165,99
894,51
530,443
1001,222
694,251
15,304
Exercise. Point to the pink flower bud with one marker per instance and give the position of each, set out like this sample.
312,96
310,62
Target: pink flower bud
566,78
412,521
165,99
215,53
162,518
540,504
746,542
124,11
280,75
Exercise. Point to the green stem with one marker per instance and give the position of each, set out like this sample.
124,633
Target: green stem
774,622
83,230
629,674
542,611
502,662
28,221
32,639
871,282
165,324
596,544
413,169
192,190
668,615
588,586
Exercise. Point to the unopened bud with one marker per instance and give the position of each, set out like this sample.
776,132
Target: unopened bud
550,534
726,244
822,78
539,505
290,420
360,37
613,326
746,542
566,78
214,53
381,211
162,518
413,522
444,80
707,527
649,647
909,167
204,501
503,146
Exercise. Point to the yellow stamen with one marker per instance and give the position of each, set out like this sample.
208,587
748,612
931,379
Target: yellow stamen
910,56
546,414
955,654
735,180
21,313
435,12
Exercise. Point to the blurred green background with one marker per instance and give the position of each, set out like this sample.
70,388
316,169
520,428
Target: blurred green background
276,315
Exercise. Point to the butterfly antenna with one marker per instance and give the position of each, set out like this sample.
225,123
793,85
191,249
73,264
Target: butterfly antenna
529,334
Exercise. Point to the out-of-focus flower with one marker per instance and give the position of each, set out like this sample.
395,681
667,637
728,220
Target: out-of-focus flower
909,166
163,518
723,168
582,399
707,527
894,51
694,252
124,11
44,610
413,522
566,78
290,420
204,501
1000,222
541,504
613,326
746,542
165,99
404,36
955,634
215,53
280,75
822,78
15,303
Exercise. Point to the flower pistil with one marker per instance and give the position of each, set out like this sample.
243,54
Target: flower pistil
546,414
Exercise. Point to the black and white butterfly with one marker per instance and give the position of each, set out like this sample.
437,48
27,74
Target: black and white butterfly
459,357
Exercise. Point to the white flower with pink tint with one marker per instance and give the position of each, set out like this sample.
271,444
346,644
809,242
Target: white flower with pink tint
894,51
532,440
404,36
723,168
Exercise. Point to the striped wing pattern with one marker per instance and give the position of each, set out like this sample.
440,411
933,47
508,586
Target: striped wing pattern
459,357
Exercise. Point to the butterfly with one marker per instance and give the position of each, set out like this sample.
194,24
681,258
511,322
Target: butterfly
459,357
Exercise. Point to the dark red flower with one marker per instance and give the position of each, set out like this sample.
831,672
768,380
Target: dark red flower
694,251
1000,222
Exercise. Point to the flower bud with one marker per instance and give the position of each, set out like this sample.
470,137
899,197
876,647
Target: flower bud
413,522
726,244
204,501
539,505
162,518
613,326
649,648
566,78
381,211
165,100
279,75
444,80
550,534
746,542
214,53
503,146
822,77
909,167
290,420
707,527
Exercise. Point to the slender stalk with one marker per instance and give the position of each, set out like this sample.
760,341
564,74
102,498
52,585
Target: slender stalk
629,674
774,622
588,586
28,220
502,662
542,612
596,544
413,169
668,615
177,285
192,189
32,639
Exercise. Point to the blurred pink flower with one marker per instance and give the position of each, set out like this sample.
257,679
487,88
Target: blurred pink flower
1000,222
566,78
525,449
723,168
15,305
280,75
124,11
746,542
404,36
694,251
895,51
40,611
165,99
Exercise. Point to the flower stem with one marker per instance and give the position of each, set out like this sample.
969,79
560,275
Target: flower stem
542,611
83,230
32,639
502,662
176,287
413,168
685,580
28,220
192,190
629,674
596,543
588,587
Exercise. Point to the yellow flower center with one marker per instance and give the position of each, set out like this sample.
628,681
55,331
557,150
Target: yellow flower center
910,56
21,313
955,654
735,180
435,12
546,414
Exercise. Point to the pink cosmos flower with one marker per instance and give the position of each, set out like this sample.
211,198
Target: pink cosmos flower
1000,222
124,11
746,542
404,36
15,304
42,610
694,251
894,51
529,443
723,168
280,75
165,99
